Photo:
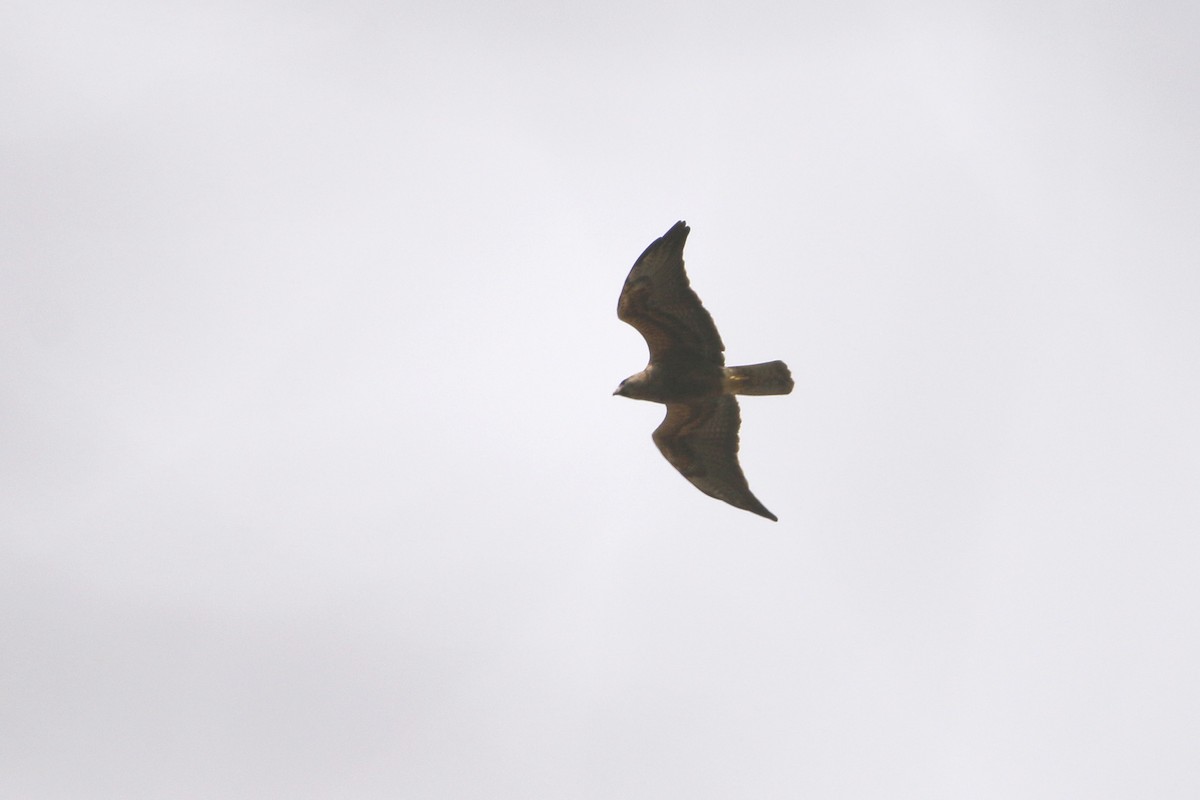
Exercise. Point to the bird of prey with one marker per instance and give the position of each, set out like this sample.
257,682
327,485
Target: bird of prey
687,372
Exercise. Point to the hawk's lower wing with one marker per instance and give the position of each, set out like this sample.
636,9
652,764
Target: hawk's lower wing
700,440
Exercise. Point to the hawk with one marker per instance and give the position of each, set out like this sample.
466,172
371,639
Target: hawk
687,372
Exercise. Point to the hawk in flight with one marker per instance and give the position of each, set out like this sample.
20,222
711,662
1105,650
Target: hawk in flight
687,372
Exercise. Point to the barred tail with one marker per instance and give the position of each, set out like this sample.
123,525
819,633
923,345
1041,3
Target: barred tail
770,378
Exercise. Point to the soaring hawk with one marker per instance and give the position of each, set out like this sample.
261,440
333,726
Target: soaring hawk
687,372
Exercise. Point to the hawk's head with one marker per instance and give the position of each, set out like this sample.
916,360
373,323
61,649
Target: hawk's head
636,387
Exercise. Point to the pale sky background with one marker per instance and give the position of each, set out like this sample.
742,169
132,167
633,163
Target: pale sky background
311,480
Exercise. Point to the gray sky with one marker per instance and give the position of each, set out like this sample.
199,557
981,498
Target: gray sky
312,484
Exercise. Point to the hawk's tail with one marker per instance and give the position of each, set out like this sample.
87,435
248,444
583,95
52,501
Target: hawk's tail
770,378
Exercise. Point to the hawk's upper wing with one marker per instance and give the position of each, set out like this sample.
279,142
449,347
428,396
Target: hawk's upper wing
700,440
659,302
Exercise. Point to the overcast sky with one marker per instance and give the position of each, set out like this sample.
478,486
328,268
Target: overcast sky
311,480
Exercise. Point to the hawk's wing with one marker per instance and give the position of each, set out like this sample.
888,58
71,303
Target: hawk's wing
700,440
659,302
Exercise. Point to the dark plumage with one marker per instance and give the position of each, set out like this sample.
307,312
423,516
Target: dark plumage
687,372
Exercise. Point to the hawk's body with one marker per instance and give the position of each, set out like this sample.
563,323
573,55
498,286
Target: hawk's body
687,372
